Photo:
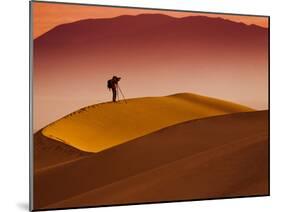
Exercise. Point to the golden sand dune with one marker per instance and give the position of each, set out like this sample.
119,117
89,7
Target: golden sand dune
221,156
98,127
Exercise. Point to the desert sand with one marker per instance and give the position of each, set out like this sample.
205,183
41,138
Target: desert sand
218,156
48,152
98,127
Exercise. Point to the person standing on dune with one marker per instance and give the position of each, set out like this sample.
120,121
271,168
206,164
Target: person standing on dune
113,85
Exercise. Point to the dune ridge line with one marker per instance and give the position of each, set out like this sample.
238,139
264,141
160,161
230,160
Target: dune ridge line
99,127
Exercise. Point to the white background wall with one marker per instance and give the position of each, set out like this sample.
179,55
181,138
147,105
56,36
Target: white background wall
14,107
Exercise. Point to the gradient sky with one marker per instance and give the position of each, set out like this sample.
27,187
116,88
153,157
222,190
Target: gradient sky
48,15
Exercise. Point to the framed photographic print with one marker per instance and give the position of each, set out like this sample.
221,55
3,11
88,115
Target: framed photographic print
137,105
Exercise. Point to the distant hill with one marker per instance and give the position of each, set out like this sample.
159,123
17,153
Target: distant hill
145,27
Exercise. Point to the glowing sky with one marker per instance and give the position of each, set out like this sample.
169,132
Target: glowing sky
48,15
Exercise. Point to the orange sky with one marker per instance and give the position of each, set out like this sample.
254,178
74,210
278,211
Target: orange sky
48,15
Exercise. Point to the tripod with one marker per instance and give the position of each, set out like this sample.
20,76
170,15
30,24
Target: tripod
119,89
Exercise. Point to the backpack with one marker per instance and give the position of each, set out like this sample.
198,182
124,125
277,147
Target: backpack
109,84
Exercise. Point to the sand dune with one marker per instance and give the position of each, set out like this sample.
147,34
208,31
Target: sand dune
49,152
98,127
218,156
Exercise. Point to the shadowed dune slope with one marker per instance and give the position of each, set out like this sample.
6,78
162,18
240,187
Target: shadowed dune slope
98,127
49,152
219,156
